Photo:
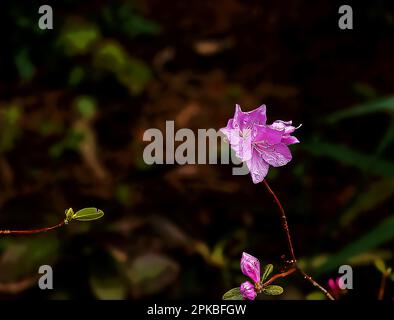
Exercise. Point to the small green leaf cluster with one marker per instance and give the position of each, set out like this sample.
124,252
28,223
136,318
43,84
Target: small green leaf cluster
86,214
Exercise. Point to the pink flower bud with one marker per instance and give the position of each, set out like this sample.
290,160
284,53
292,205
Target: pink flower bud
332,284
335,287
250,267
247,291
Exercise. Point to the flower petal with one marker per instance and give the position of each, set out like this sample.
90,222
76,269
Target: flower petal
285,126
250,267
280,124
258,168
290,140
240,142
277,155
263,134
246,120
247,291
227,130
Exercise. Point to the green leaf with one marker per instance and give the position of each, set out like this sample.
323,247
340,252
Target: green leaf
69,215
86,106
273,290
138,25
387,138
365,91
110,56
151,273
133,73
267,271
377,193
88,214
379,105
56,150
316,295
129,21
21,257
78,37
233,294
24,65
9,128
108,288
123,194
381,234
380,265
76,76
348,156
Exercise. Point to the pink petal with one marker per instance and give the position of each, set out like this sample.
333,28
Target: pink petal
240,141
280,125
277,155
290,140
250,266
285,126
245,120
265,134
258,168
247,291
332,284
242,148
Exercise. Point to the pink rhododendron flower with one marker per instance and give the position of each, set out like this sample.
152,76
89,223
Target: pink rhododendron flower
250,267
247,291
257,143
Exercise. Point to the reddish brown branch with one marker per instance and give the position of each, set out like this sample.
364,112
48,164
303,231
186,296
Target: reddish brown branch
382,286
34,231
293,261
284,222
316,284
277,276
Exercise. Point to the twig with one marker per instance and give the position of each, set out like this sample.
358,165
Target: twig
34,231
382,286
293,261
277,276
316,284
284,222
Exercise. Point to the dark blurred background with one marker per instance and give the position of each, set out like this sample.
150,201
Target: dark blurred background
76,100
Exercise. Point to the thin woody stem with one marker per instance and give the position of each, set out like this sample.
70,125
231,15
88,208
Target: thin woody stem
34,231
316,284
285,227
382,286
284,222
277,276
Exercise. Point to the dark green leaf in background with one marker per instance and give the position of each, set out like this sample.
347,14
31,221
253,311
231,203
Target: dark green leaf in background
351,157
385,104
379,235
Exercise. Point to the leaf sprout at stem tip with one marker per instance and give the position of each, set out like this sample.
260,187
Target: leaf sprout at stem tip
86,214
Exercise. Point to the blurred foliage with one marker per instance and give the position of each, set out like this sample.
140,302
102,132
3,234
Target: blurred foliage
9,129
24,65
376,193
385,104
76,100
352,157
379,235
